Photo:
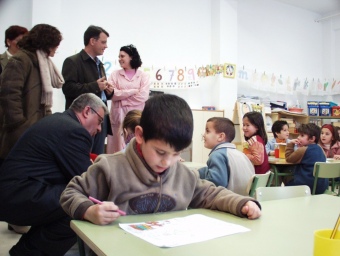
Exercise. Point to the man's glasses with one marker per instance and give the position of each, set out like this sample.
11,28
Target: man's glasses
101,119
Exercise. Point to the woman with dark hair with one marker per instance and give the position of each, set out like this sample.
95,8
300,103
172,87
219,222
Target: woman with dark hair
12,36
26,84
131,87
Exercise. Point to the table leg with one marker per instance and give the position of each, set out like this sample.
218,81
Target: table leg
81,246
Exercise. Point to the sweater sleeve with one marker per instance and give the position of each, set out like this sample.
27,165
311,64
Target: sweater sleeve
74,199
256,155
208,196
217,170
294,156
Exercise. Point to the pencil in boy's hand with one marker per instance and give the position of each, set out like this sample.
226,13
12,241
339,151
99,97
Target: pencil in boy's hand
336,227
100,202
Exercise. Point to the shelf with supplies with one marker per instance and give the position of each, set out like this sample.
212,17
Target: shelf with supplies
321,120
293,119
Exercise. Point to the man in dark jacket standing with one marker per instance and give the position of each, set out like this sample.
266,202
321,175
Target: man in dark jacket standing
84,73
38,168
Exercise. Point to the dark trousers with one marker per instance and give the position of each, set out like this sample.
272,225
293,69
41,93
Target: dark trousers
99,140
49,235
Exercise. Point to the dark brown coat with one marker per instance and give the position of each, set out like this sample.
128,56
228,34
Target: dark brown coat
20,97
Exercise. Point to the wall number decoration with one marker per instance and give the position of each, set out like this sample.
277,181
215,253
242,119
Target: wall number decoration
182,78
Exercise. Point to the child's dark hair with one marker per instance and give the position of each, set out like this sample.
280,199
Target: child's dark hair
256,119
311,130
334,132
168,118
225,125
278,127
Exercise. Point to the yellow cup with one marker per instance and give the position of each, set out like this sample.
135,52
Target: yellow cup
282,151
323,245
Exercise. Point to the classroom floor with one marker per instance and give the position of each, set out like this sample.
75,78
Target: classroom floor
9,238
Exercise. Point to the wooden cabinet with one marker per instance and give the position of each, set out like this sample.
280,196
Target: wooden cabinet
297,118
199,152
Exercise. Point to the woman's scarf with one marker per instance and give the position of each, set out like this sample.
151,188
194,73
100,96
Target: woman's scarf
50,78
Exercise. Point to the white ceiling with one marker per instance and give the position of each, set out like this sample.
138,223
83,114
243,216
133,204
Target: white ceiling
322,7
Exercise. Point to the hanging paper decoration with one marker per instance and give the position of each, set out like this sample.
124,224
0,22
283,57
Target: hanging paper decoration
186,77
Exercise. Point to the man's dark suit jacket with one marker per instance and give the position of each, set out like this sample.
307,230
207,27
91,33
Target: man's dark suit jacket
40,165
81,74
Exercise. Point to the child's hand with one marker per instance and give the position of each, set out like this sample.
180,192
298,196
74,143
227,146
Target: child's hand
102,214
252,140
337,157
294,141
251,210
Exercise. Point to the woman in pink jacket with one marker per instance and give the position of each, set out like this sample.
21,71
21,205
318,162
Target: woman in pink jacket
131,90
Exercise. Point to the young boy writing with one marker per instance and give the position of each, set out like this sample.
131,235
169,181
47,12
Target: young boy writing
148,177
305,156
226,166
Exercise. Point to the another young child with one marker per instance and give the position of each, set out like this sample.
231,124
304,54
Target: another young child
227,166
148,178
337,130
305,156
280,131
131,120
329,141
256,139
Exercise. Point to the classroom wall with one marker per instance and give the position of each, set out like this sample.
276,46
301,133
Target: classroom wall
262,34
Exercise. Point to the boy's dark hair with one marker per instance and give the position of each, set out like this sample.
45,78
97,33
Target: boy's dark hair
131,50
225,125
168,118
278,126
93,32
13,32
256,119
41,37
311,130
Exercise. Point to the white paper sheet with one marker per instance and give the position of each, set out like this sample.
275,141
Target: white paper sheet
181,231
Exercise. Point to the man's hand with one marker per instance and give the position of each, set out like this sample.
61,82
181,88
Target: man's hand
102,83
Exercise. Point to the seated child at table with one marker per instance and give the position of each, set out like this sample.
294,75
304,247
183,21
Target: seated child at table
329,141
337,130
131,120
148,178
280,131
226,166
256,139
305,156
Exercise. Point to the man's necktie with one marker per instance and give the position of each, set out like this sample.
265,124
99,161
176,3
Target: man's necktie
102,96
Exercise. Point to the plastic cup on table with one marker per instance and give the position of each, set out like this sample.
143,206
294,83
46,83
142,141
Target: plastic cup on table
324,245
